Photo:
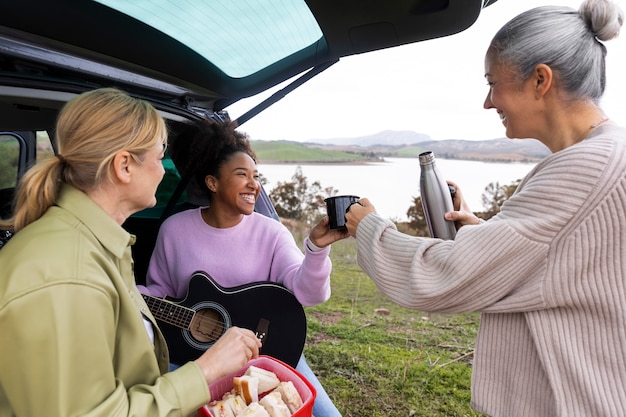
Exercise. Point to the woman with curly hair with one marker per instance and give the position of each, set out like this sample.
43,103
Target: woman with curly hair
229,240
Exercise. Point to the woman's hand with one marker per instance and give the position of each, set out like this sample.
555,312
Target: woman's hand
229,353
356,213
321,235
462,214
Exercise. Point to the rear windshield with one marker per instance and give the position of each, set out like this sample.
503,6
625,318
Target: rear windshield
257,27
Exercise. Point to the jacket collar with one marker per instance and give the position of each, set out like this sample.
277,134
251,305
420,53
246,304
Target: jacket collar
110,234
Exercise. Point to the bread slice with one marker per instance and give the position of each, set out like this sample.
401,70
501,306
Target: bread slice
254,410
274,405
267,379
220,409
290,395
236,403
248,387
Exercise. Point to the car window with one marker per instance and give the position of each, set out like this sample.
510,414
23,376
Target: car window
44,146
256,27
165,191
9,154
13,152
16,149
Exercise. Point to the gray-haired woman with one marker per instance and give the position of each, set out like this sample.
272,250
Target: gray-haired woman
548,273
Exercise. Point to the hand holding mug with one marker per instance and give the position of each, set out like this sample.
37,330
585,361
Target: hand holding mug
337,207
356,213
321,235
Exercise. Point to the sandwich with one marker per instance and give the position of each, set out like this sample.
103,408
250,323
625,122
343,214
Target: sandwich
267,379
254,410
236,402
248,387
220,409
274,405
289,395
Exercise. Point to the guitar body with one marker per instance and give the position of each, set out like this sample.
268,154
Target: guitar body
209,309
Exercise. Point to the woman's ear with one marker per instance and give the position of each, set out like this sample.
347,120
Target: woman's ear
543,79
121,166
211,183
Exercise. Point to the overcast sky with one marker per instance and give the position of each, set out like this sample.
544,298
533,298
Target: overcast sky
435,87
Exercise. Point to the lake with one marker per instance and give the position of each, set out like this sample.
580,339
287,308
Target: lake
391,185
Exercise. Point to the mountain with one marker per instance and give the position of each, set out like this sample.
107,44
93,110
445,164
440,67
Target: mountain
385,138
520,150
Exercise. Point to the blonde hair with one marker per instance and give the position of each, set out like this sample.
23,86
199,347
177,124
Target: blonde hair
91,129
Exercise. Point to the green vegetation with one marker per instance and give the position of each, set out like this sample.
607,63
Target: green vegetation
376,358
290,152
409,151
9,149
297,200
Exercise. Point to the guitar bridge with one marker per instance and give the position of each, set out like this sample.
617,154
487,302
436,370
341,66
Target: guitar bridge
262,329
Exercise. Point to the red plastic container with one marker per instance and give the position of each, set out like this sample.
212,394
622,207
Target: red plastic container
283,371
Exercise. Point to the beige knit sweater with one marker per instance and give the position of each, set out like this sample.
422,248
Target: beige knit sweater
548,274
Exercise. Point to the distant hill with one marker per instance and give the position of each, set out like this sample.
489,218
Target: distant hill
494,150
385,138
399,145
294,152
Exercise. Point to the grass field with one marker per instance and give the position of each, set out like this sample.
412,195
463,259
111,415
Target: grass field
286,152
378,359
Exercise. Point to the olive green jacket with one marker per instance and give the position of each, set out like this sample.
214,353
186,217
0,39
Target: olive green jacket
72,337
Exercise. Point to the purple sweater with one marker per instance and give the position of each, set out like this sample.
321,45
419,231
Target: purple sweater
257,249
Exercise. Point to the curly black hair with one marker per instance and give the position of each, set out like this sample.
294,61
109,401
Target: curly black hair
202,147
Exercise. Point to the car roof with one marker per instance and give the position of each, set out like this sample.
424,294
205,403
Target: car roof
204,55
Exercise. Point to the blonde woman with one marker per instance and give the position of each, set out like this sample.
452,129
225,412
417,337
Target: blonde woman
77,338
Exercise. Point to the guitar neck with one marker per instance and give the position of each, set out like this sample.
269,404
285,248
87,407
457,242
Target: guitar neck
170,313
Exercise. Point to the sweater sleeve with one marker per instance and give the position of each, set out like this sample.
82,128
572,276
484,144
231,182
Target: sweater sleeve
480,267
308,276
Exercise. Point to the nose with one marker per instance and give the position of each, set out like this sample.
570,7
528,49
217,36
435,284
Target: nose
488,104
162,171
253,182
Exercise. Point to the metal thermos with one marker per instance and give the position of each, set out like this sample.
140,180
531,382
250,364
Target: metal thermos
436,198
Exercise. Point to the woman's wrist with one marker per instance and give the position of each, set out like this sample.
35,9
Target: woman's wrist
312,246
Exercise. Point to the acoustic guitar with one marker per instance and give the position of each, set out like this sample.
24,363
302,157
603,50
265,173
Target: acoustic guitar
193,324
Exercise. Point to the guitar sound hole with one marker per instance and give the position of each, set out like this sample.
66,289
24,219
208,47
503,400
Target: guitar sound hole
207,326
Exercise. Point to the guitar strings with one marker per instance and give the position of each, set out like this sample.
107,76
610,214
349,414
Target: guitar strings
183,317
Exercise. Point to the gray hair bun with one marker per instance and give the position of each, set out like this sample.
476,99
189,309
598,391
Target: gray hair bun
604,17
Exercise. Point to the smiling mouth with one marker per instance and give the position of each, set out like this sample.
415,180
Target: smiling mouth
248,197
